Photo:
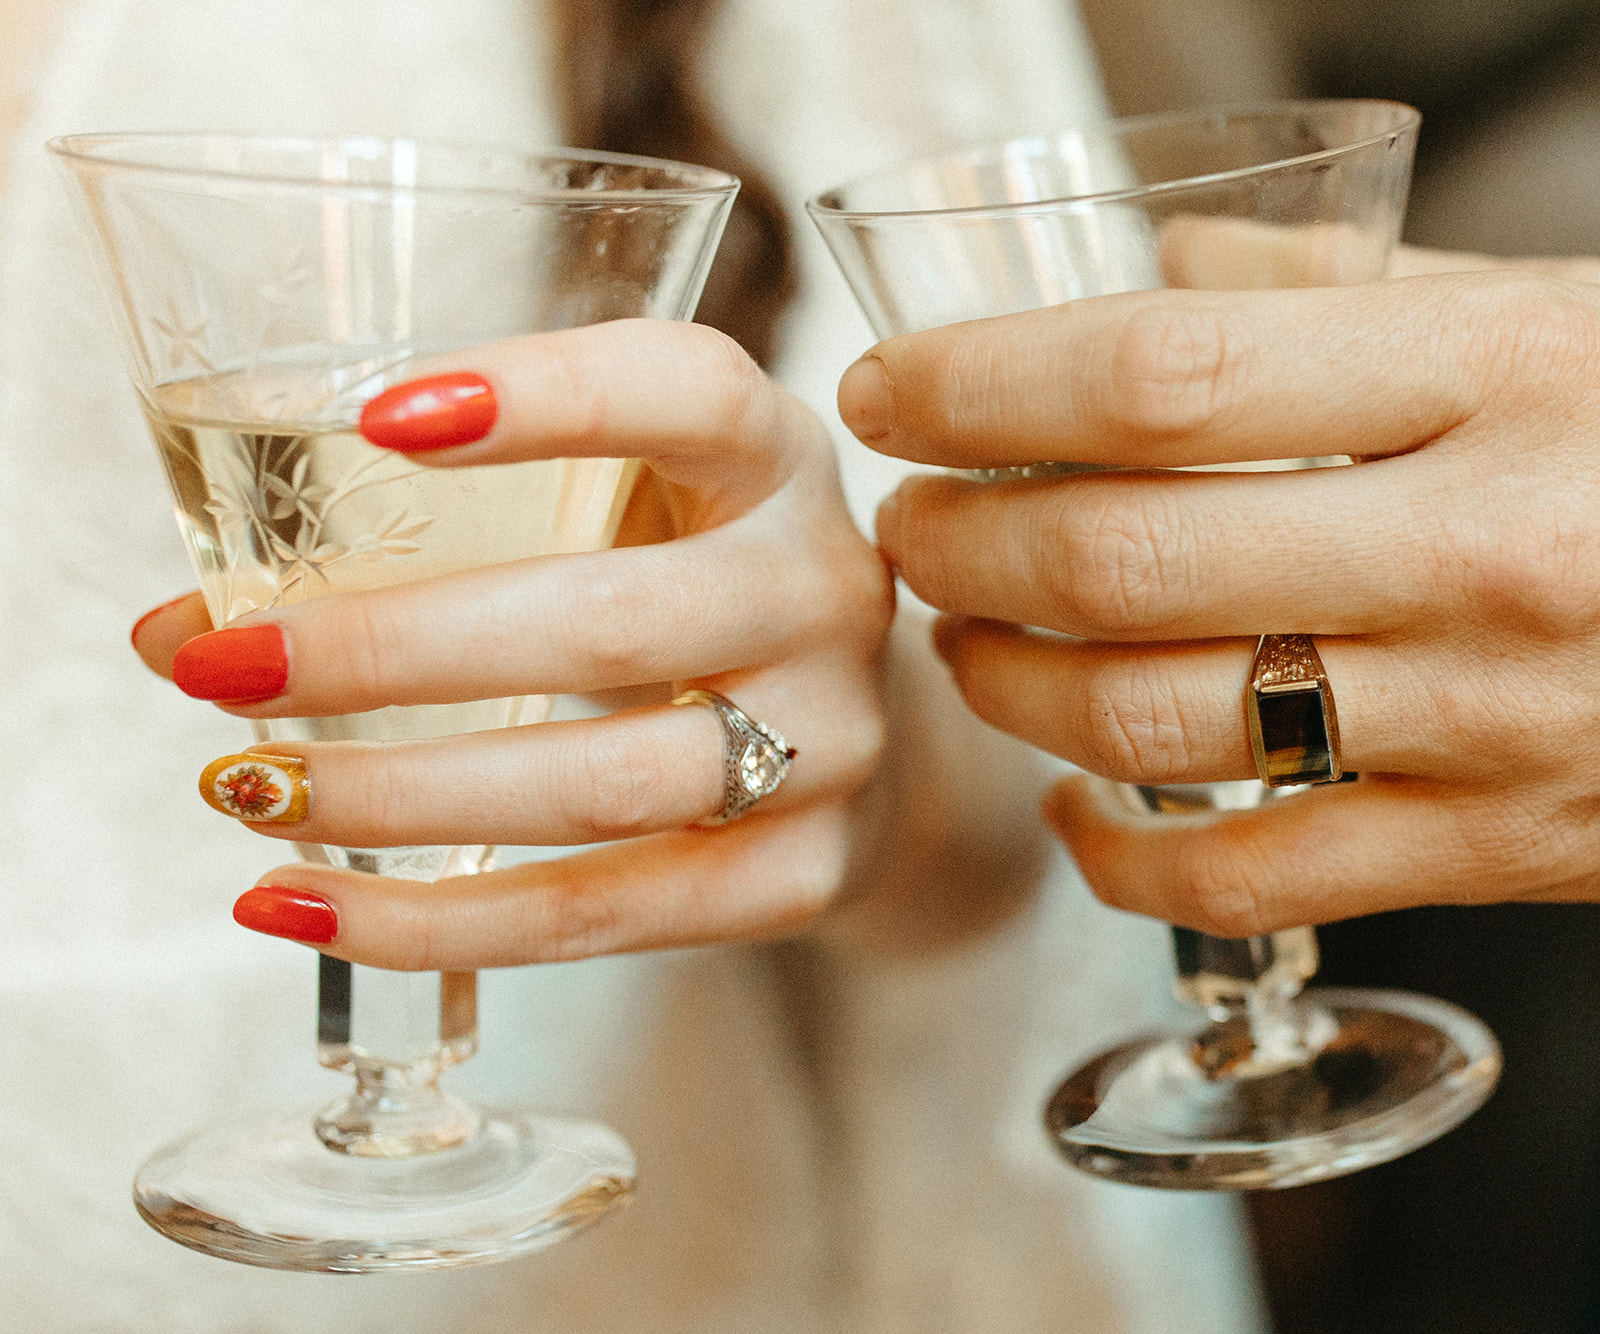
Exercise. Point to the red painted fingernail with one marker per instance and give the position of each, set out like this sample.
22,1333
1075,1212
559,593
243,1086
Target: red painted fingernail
245,663
133,635
431,413
276,910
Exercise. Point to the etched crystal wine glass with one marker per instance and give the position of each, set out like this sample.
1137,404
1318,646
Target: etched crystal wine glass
1270,1087
265,289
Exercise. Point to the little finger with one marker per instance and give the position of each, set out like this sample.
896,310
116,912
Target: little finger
1320,855
763,876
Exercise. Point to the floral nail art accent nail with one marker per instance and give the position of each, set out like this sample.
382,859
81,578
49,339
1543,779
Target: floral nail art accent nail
266,789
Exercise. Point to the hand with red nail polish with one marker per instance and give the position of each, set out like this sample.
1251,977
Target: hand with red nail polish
738,569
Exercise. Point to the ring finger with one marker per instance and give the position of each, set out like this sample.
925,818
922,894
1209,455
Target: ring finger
1174,712
632,773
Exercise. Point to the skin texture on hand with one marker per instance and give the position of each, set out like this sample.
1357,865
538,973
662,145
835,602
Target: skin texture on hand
1452,577
746,577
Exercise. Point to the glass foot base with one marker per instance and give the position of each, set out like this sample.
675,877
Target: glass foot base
1396,1071
270,1193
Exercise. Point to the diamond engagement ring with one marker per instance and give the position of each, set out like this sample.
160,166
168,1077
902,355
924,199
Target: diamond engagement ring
756,758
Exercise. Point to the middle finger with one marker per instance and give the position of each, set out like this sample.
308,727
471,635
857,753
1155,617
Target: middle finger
550,625
1161,556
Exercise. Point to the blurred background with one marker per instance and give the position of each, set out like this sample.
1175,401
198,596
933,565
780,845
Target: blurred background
1497,1226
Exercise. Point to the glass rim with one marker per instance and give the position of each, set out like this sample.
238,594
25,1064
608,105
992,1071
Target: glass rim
1405,118
91,150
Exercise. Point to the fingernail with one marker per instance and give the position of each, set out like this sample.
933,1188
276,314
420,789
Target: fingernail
431,413
864,399
275,910
133,635
263,789
247,663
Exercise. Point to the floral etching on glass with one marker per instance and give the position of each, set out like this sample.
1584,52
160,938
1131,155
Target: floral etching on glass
273,513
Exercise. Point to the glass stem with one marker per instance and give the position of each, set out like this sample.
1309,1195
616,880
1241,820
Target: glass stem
396,1033
1248,987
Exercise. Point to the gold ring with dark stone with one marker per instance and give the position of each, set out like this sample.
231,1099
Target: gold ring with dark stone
1294,728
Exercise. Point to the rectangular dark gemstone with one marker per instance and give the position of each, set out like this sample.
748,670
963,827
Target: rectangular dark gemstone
1294,734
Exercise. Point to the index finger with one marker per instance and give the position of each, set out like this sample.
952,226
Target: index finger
1179,378
681,395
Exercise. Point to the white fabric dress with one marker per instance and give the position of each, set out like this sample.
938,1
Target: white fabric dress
889,1175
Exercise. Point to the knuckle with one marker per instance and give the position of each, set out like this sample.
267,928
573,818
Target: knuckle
1529,330
413,944
732,385
1134,730
976,380
369,641
1175,371
568,377
613,626
1219,891
1121,572
616,787
814,599
1510,717
574,920
1539,578
386,785
1503,840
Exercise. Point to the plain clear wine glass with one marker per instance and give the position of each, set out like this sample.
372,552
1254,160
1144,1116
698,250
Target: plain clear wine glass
265,289
1270,1085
